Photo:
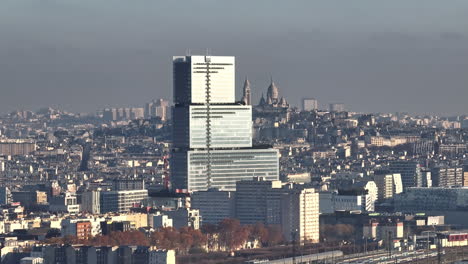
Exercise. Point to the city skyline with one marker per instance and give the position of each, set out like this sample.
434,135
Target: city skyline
242,132
362,54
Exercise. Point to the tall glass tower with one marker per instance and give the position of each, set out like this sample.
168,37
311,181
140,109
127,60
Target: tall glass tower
212,139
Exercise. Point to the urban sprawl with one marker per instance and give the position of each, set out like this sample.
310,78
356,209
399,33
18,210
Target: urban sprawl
211,178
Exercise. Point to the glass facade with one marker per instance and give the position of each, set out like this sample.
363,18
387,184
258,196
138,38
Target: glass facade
121,201
212,135
227,167
231,126
190,79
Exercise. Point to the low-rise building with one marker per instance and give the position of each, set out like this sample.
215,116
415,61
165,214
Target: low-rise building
183,217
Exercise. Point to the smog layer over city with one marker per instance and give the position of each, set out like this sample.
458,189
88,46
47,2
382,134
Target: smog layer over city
250,132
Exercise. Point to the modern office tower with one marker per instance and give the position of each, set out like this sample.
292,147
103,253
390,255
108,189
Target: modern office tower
121,201
190,80
5,195
291,206
228,167
384,183
300,215
212,133
309,104
337,107
258,200
214,205
410,171
447,176
13,147
246,93
230,127
157,108
388,185
91,202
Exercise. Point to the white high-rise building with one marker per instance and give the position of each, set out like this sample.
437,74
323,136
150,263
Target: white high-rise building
388,185
300,215
157,108
190,79
212,133
309,104
337,107
91,202
292,206
231,126
384,183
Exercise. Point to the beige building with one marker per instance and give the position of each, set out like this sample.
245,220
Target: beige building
300,215
388,185
465,176
14,147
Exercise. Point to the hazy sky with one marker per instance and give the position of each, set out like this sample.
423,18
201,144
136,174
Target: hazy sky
374,56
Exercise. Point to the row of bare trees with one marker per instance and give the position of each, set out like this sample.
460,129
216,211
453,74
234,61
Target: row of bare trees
228,235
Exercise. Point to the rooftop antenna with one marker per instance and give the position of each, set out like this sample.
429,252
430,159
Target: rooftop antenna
188,52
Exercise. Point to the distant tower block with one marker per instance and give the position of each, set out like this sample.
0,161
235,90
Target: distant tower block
337,107
309,104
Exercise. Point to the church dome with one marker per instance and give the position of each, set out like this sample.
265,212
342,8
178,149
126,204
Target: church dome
273,91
